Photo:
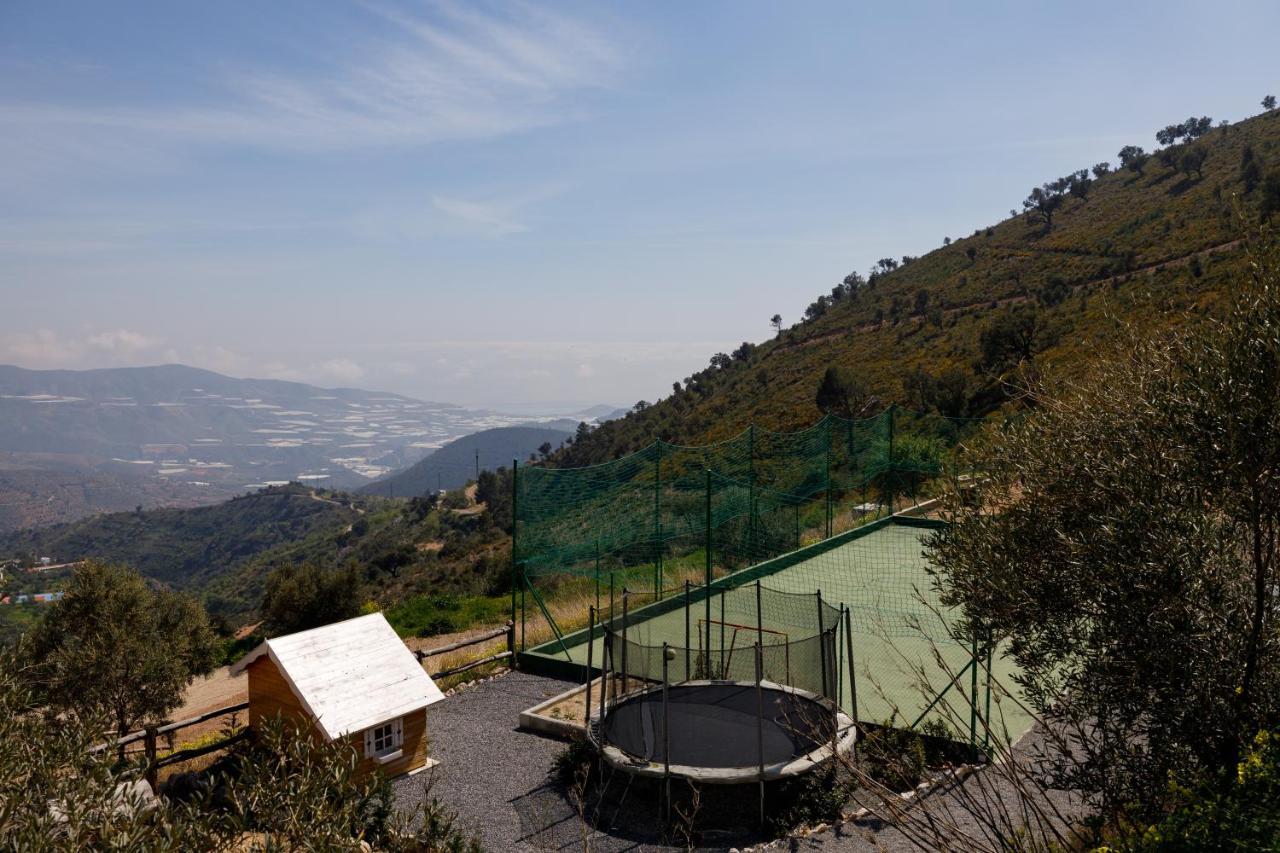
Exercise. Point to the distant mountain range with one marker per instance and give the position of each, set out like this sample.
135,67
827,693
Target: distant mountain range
454,464
76,442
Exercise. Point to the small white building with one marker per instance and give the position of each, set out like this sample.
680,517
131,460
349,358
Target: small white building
355,680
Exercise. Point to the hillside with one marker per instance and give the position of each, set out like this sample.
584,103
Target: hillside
177,435
942,331
407,550
187,548
453,465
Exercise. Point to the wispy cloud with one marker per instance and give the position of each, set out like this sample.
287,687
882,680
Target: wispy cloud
456,73
493,219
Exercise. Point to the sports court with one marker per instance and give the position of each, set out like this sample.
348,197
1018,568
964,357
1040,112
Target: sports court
909,667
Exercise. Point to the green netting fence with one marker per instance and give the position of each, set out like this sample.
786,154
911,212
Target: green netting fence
649,521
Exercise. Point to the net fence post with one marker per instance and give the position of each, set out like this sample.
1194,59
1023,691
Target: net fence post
827,476
666,735
973,701
515,529
853,669
759,615
625,679
760,725
986,733
707,588
687,638
722,620
822,643
751,493
892,464
591,632
657,522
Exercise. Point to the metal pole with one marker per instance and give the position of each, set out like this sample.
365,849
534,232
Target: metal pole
760,726
624,641
986,733
708,573
822,642
591,632
722,669
477,464
657,523
759,616
751,493
853,672
973,702
666,737
893,470
515,527
687,602
597,573
827,475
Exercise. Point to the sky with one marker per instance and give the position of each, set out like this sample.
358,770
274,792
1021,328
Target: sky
538,206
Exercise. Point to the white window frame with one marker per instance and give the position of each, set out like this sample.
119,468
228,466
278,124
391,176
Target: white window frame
392,748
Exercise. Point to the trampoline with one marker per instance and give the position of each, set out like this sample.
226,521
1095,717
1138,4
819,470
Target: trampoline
751,696
723,732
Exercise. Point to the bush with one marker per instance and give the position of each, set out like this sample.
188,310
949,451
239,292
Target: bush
818,797
1240,812
893,757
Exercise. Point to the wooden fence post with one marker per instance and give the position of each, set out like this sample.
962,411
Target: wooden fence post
149,745
511,645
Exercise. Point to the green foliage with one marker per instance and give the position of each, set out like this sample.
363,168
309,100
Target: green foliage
285,790
1011,338
456,499
1132,564
842,393
114,647
187,548
893,757
818,797
1240,811
299,597
494,491
572,765
430,615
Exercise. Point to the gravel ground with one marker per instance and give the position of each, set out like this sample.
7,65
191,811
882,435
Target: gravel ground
492,774
952,811
486,764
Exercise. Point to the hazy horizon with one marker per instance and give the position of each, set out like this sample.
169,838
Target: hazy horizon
515,206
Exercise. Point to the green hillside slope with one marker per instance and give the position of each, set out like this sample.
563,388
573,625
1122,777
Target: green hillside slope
1138,248
187,548
454,464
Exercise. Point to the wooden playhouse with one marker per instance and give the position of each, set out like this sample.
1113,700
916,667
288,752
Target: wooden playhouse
355,680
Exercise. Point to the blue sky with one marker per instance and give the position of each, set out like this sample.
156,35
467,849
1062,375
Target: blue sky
538,206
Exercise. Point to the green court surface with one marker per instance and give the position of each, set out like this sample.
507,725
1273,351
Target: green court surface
904,655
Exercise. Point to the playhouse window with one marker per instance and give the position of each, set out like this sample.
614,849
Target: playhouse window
383,739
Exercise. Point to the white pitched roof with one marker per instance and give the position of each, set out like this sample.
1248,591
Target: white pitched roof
350,675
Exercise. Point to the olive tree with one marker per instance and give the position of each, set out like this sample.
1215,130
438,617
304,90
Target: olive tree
1125,544
115,646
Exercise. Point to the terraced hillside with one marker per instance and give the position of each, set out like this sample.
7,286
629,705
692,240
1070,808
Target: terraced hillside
942,331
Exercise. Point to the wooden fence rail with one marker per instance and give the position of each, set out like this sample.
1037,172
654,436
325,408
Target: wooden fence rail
509,630
150,735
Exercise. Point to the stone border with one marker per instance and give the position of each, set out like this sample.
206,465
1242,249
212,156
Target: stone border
533,720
